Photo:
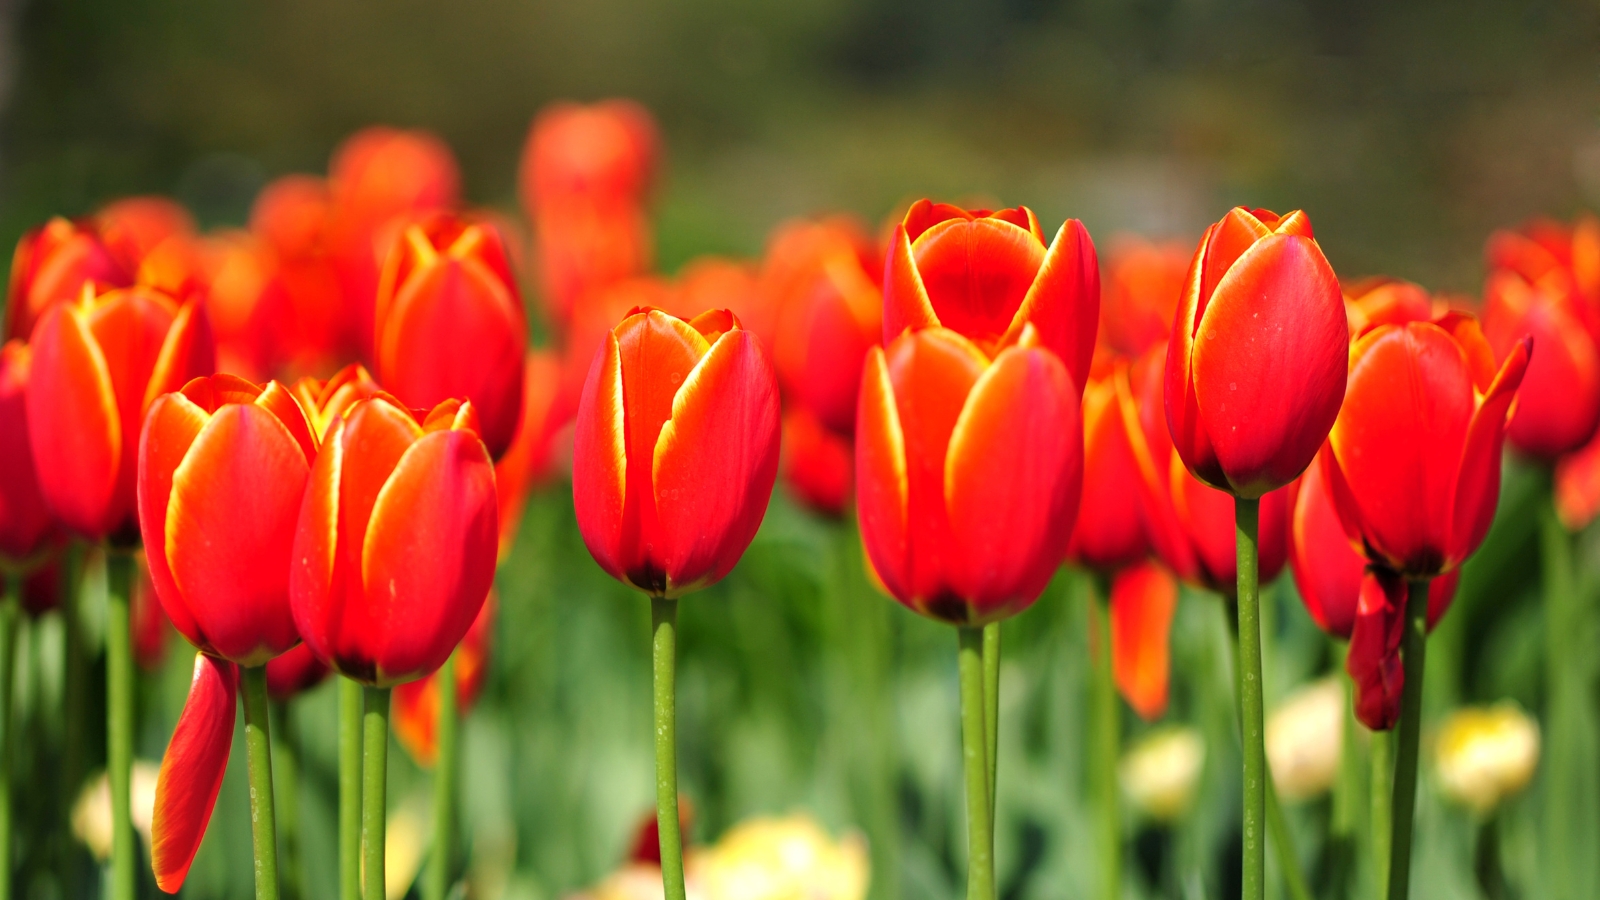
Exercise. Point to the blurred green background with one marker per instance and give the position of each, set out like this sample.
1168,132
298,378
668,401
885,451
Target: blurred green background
1408,131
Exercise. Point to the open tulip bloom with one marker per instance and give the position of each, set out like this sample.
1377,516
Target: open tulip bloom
674,458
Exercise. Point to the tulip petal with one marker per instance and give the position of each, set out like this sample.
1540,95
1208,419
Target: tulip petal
429,555
1185,425
282,403
1374,660
1108,534
1012,479
1063,302
882,488
1236,233
977,275
716,461
317,577
600,460
1477,485
1143,600
169,431
192,770
816,462
1327,567
377,434
925,214
230,530
1151,445
1270,363
73,422
905,298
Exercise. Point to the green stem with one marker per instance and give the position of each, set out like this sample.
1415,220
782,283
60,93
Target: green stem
1108,730
444,786
72,685
286,780
1253,864
1283,847
1568,790
664,658
1346,796
8,664
991,710
1382,785
1414,656
119,721
349,789
974,753
258,745
374,784
1486,860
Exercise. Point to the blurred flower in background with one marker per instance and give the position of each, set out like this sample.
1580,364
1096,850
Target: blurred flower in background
1486,755
1304,736
1160,772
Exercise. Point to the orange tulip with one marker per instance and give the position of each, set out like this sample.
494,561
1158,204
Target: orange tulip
304,319
1110,530
676,449
52,263
450,324
1376,301
395,547
98,364
969,441
25,524
134,227
416,703
1577,485
1143,600
817,462
1543,249
326,402
1139,295
1258,355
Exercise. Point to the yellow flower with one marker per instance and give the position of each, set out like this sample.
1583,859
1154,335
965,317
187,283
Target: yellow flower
1304,737
1486,754
789,858
1160,772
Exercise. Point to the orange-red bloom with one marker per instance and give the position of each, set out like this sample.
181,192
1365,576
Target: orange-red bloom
135,227
676,449
25,523
1414,461
1577,485
416,703
1257,361
1143,599
450,324
51,264
969,440
1110,530
98,363
1140,292
395,547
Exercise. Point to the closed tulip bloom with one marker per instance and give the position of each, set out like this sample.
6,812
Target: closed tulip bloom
222,470
675,450
98,364
1110,530
1558,405
395,547
294,672
1257,361
1415,472
51,264
25,524
1140,292
450,323
416,703
969,449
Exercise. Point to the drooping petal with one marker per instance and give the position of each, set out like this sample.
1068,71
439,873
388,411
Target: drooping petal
1477,486
1063,303
1270,361
429,555
169,431
1012,479
1143,600
882,480
600,461
905,298
716,461
191,771
1374,660
73,423
977,274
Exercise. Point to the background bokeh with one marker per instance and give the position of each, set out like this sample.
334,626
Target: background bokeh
1408,131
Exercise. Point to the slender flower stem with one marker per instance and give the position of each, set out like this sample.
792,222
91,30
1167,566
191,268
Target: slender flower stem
1414,656
974,753
664,657
9,613
374,783
286,781
1346,796
1382,785
1253,871
258,745
444,786
1108,733
1283,847
119,720
349,789
991,709
72,684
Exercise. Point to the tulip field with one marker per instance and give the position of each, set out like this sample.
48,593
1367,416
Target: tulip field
918,539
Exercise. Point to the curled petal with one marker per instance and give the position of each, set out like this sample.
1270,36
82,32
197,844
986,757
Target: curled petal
1477,488
1143,600
905,298
191,771
1374,660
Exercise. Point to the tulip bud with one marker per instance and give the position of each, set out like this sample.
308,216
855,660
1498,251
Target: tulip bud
98,363
326,402
52,263
1304,739
1485,755
1258,354
395,547
449,323
25,524
1160,772
676,449
416,703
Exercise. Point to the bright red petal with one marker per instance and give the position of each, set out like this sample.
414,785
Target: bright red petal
977,274
1327,568
1143,600
882,480
905,298
170,430
600,462
74,425
1063,303
1374,659
191,771
1109,533
1477,488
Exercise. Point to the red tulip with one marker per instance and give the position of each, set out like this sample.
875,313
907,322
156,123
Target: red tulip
98,363
1544,248
222,470
25,524
1415,472
1577,485
52,263
294,672
1190,525
395,547
449,323
416,703
304,320
676,449
1143,599
1385,301
1558,405
1374,660
1258,354
134,227
1110,531
817,462
527,464
1139,296
326,402
192,770
969,450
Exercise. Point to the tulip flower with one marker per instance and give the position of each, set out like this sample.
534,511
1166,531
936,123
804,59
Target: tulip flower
1558,405
135,227
52,263
449,323
1140,292
674,458
1110,533
1304,740
1143,600
1544,249
1380,300
303,319
1415,476
969,449
1577,486
1161,772
1486,755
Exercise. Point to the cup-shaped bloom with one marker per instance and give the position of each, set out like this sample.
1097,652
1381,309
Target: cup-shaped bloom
1110,530
675,449
1144,597
294,672
606,151
1258,355
416,703
1414,461
51,264
1139,293
98,364
135,227
395,547
1190,525
223,466
25,523
450,323
1558,405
